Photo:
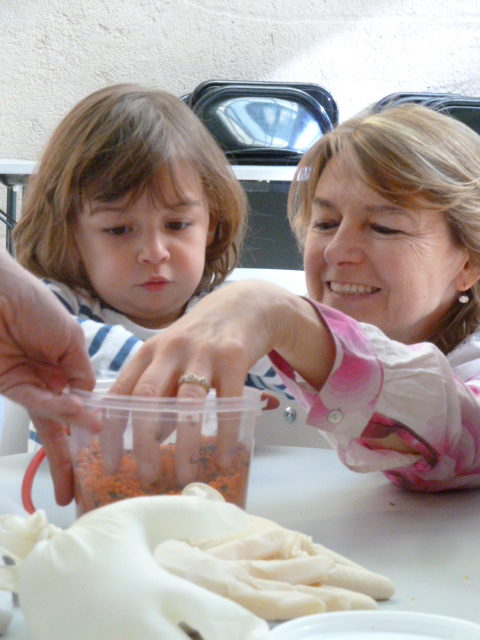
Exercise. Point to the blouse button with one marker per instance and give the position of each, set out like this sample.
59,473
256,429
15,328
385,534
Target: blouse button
334,417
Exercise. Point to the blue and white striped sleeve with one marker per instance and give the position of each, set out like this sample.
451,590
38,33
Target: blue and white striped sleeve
110,347
263,376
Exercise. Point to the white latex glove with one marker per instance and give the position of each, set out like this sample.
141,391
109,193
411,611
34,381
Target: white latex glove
7,505
276,573
98,579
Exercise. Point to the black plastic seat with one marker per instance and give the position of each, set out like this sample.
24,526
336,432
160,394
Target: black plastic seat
466,109
264,129
320,94
262,122
398,98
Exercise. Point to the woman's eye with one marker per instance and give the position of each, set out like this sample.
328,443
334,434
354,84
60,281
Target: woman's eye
386,231
324,225
116,231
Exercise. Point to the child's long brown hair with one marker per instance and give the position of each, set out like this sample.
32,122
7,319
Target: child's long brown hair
112,143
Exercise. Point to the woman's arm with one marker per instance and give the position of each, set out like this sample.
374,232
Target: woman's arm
396,408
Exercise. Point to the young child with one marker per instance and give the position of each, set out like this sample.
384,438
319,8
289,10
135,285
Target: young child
132,215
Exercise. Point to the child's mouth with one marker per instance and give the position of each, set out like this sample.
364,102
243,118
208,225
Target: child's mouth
154,285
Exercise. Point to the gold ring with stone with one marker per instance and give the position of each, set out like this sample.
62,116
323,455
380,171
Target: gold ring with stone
191,378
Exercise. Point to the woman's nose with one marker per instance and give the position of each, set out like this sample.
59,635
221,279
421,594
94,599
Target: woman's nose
153,248
345,246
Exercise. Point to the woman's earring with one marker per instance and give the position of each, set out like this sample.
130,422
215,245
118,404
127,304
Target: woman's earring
463,299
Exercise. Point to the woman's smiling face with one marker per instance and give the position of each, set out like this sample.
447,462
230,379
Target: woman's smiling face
396,268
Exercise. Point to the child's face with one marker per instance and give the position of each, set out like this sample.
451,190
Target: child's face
145,259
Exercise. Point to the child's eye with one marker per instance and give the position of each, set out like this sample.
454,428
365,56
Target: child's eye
116,231
177,225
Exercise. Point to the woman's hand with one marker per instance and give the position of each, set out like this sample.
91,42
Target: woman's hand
223,336
215,344
42,352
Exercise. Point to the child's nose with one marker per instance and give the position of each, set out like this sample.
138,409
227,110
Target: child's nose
153,248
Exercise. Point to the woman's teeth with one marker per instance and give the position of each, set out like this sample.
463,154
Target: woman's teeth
352,289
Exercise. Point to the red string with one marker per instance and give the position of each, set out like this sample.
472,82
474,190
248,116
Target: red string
28,477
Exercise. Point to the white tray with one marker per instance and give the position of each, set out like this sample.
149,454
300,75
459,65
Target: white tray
376,625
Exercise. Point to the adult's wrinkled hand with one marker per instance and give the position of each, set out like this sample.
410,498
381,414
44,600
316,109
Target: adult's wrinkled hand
42,351
98,579
274,572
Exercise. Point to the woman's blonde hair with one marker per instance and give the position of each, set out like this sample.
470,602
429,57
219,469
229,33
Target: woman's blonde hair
111,144
414,157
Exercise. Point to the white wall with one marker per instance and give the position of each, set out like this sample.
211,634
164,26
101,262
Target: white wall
54,52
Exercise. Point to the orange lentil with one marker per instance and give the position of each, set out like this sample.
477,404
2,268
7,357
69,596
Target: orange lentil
95,487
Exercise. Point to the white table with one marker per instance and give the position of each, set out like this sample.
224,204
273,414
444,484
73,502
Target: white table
426,544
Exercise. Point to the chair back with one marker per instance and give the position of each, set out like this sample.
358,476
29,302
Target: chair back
466,109
264,123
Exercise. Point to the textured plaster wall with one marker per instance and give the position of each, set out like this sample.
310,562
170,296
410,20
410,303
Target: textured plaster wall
54,52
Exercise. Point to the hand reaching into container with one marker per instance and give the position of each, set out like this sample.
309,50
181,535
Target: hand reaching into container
214,345
228,331
42,352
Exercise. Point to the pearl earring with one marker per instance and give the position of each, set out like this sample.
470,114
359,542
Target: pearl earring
463,299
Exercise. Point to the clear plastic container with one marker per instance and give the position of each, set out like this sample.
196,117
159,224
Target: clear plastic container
152,446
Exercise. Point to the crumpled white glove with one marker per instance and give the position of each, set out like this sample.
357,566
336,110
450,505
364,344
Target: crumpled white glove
274,572
7,505
98,579
6,608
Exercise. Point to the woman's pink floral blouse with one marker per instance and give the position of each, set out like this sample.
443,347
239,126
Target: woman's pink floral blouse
378,387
